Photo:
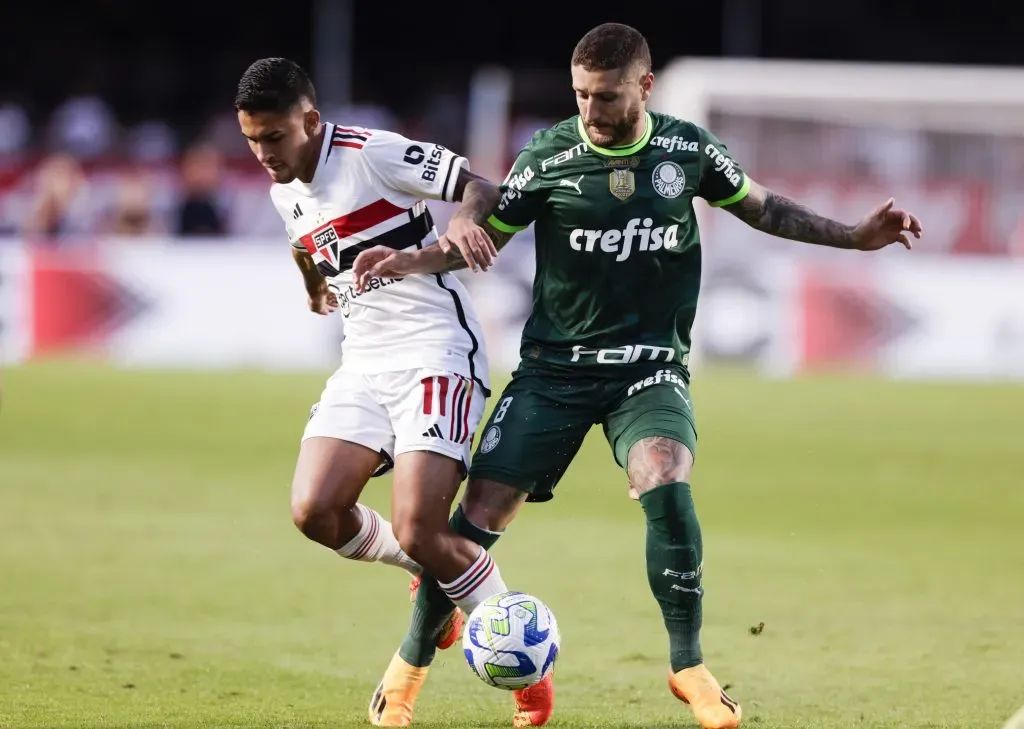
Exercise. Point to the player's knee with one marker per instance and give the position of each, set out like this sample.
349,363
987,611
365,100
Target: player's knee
308,515
315,511
656,461
491,505
417,538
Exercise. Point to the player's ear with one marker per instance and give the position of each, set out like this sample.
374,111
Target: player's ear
646,86
311,121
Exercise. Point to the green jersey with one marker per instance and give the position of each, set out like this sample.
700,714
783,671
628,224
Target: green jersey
618,249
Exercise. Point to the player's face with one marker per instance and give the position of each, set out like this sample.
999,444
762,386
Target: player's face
281,140
611,102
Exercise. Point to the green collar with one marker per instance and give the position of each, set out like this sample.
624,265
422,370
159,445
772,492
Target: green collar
617,151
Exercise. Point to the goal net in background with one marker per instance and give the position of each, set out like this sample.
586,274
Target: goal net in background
946,142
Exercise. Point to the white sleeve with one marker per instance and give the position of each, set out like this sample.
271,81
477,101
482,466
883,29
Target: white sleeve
286,218
421,169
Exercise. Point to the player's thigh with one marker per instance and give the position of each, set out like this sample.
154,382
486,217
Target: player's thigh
535,430
423,490
434,415
347,440
651,430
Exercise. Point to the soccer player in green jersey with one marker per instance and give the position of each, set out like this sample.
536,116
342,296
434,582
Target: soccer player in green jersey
610,193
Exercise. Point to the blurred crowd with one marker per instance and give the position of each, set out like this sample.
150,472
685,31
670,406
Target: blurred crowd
82,173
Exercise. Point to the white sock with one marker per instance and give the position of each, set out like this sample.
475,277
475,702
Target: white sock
479,582
376,542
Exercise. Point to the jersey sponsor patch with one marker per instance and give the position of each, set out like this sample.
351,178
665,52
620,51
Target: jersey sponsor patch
638,235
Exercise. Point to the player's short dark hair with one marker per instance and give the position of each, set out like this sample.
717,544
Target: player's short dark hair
610,46
273,84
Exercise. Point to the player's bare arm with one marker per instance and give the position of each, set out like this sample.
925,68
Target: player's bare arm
321,299
465,236
454,260
384,262
777,215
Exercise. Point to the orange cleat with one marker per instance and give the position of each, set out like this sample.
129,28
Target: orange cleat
536,704
713,708
452,629
393,701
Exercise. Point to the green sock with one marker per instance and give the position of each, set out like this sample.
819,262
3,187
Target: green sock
674,565
433,607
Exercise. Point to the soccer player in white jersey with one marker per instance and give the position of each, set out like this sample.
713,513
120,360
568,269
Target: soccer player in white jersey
411,388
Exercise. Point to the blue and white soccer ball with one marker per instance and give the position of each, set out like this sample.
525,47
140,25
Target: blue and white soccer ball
511,641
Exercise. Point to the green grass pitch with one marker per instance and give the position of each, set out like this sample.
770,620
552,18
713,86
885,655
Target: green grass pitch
150,575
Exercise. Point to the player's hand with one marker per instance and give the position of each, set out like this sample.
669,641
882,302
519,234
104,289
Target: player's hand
884,226
472,242
379,262
322,300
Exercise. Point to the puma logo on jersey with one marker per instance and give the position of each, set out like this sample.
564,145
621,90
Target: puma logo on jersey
621,242
574,185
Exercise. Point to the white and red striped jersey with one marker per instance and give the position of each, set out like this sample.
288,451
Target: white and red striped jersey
369,189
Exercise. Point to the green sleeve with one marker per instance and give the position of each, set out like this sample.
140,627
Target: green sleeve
722,180
522,195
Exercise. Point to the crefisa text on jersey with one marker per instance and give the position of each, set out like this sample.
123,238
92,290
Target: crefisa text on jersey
675,143
620,242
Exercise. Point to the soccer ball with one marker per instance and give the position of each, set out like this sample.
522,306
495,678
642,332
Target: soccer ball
511,641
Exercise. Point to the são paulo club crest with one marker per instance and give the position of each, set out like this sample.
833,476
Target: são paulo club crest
668,179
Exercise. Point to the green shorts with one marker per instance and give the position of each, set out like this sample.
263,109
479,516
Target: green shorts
543,415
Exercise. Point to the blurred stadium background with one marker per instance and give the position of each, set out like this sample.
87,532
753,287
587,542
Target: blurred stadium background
862,415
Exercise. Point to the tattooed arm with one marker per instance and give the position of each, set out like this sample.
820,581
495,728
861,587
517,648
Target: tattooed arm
774,214
454,260
383,262
489,215
777,215
465,239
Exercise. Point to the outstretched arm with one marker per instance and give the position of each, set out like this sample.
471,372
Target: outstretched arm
777,215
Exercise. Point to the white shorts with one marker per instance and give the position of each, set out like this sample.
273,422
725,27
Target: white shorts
398,412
